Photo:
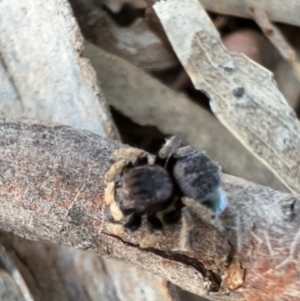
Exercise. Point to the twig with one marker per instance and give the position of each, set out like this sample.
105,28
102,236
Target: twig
43,168
277,10
276,38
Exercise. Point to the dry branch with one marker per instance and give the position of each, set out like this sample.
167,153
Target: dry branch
277,10
52,190
277,39
67,93
243,94
42,75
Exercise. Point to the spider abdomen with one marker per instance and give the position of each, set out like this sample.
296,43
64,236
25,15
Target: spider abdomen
197,175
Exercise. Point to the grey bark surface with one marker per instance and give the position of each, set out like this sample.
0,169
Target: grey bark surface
52,190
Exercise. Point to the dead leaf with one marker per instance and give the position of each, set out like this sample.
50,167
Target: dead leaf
243,94
148,102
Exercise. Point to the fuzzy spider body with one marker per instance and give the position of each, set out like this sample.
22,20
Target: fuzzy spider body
149,186
141,188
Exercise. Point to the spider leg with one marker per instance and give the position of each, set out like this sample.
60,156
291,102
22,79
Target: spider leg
204,213
169,147
115,229
184,152
154,223
132,155
155,227
124,157
187,235
173,216
128,211
134,222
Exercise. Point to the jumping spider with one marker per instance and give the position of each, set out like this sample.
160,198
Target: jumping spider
156,187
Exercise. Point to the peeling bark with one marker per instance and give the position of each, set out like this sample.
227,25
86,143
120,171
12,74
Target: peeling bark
51,189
